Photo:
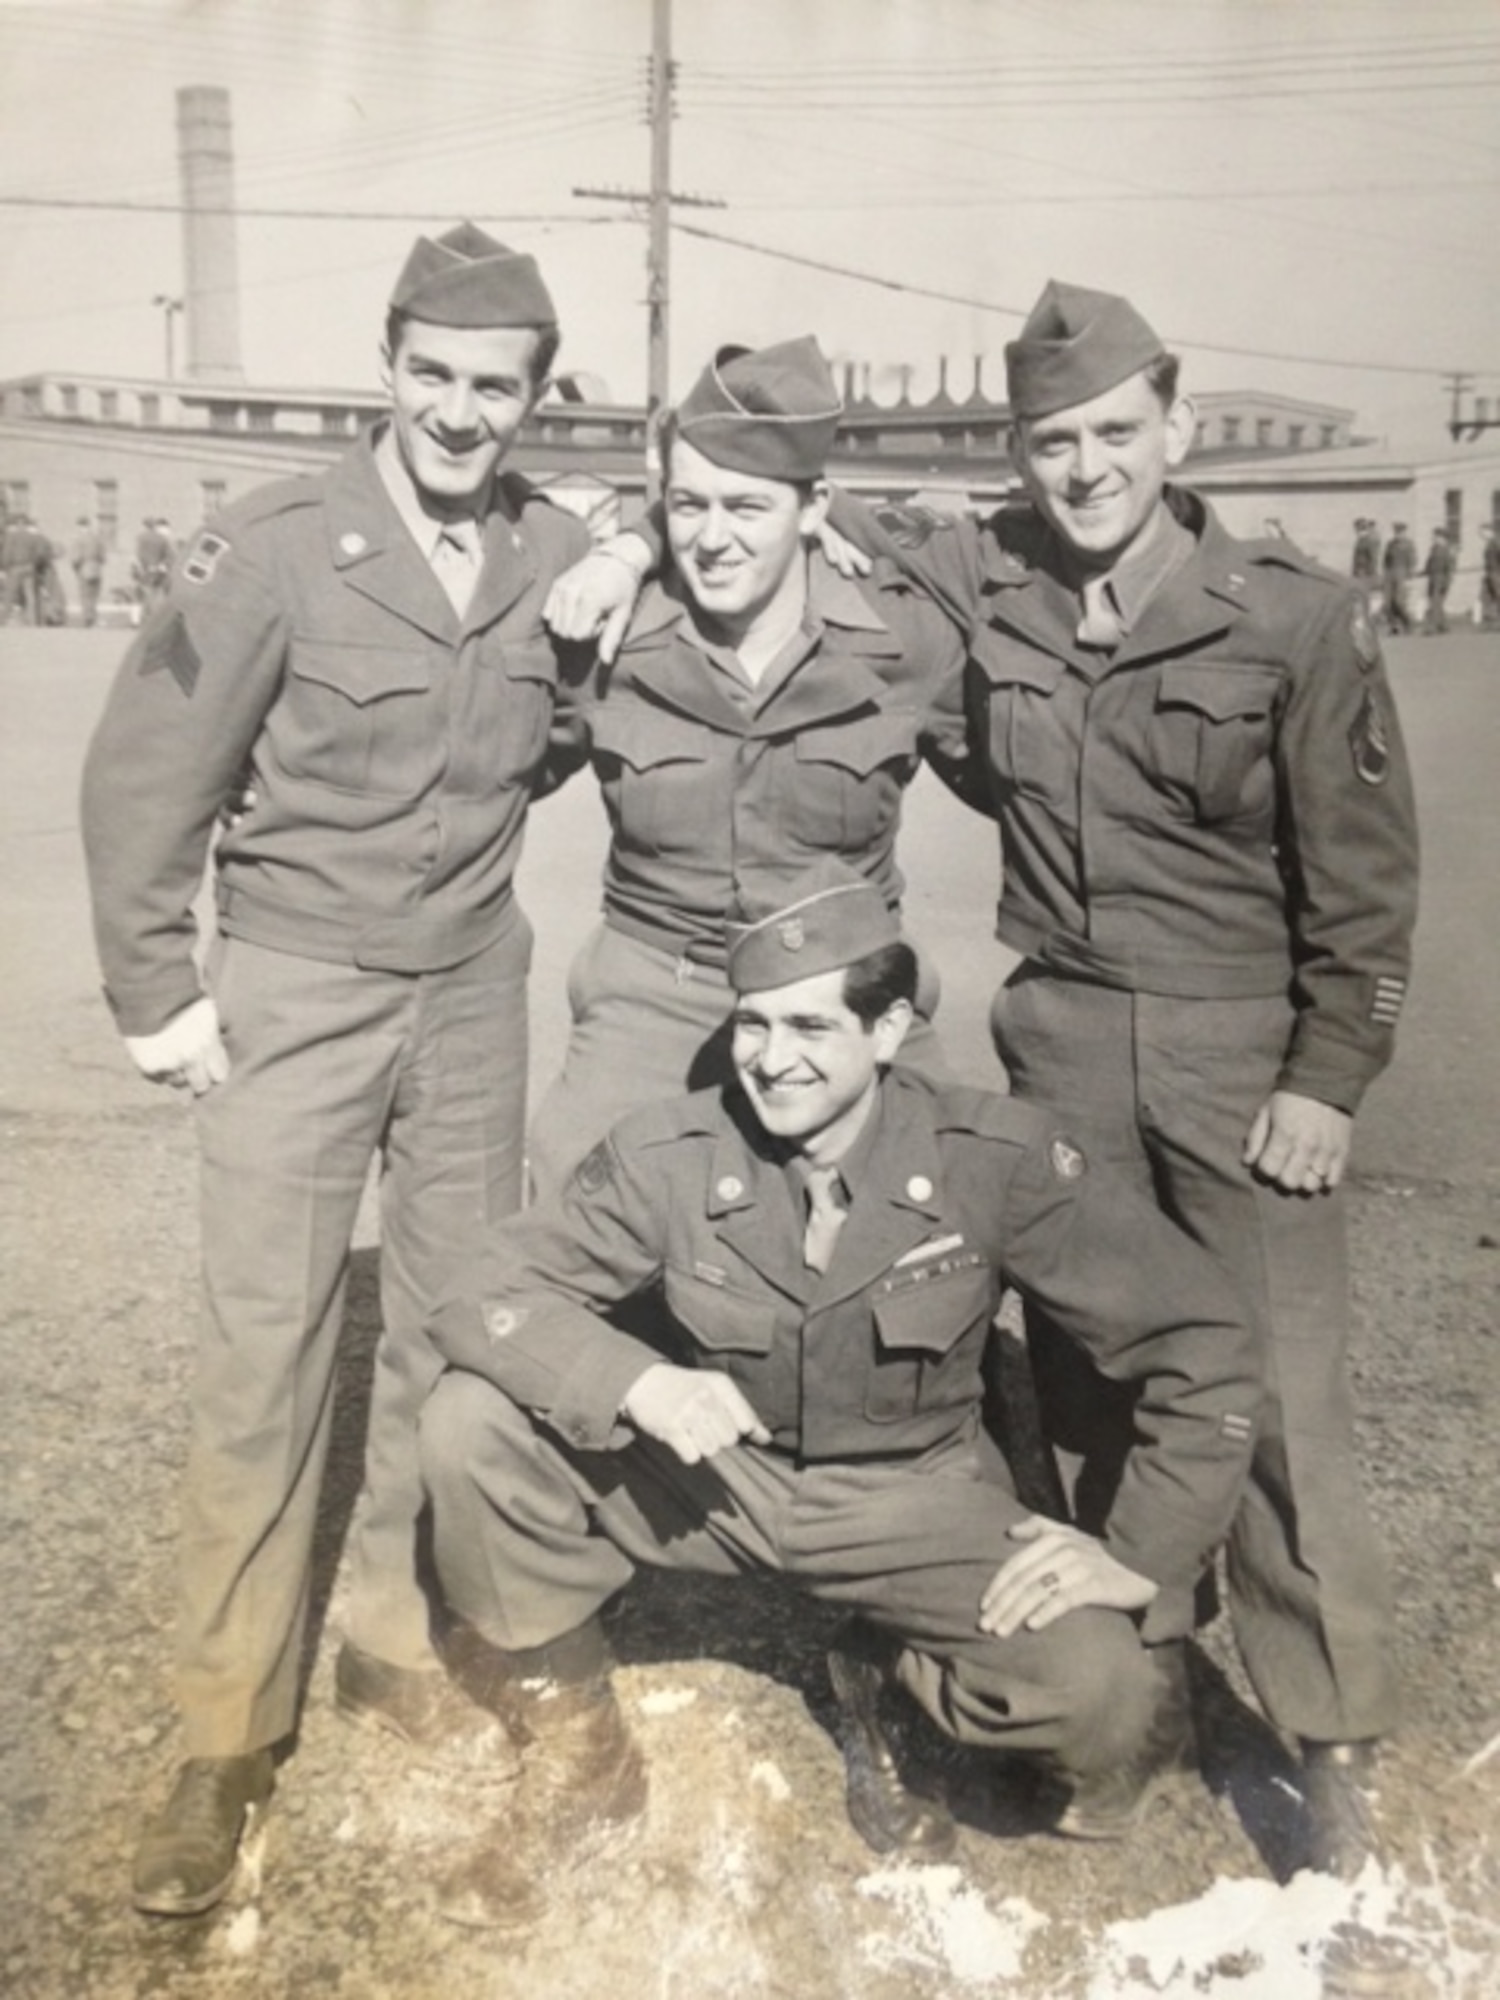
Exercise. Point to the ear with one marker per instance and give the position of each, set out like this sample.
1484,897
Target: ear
1182,428
891,1030
815,511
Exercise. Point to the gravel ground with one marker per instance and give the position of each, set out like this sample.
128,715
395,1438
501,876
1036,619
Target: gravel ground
745,1879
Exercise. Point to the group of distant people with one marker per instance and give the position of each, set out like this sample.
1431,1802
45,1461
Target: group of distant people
1389,573
31,564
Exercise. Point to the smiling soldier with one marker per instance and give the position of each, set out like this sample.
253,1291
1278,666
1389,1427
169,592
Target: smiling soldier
366,646
1209,855
762,711
830,1235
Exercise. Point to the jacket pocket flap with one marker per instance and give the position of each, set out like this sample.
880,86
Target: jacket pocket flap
861,745
1219,691
361,673
719,1319
929,1311
645,741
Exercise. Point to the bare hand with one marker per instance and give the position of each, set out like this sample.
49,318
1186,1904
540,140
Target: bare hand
594,599
1299,1144
696,1411
1060,1569
842,554
187,1053
241,801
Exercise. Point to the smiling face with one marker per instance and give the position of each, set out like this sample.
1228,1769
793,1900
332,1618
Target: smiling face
1096,471
738,539
459,395
809,1065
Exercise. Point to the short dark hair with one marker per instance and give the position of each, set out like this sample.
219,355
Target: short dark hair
1162,374
873,984
549,340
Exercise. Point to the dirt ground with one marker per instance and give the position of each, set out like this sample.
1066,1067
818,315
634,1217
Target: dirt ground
745,1880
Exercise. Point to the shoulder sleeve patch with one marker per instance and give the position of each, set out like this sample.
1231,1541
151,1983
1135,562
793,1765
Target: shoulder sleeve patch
1068,1161
596,1169
203,558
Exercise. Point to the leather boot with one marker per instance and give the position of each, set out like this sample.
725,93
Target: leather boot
1106,1804
885,1814
582,1780
187,1855
1337,1780
426,1711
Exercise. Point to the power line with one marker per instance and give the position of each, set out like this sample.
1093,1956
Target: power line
1020,312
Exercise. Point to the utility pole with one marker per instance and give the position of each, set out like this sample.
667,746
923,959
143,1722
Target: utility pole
657,205
658,261
1478,419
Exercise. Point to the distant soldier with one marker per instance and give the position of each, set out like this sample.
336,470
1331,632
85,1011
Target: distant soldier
27,555
1489,579
153,562
1438,570
1364,566
1399,567
88,567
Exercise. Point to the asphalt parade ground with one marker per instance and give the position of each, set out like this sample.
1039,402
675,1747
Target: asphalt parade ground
745,1880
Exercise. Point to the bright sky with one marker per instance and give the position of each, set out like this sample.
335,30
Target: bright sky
1304,195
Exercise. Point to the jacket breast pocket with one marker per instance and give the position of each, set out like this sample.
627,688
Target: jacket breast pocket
931,1325
513,742
655,770
845,780
358,718
1029,740
1212,735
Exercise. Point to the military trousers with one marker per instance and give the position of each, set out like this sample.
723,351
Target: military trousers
1165,1089
532,1537
332,1067
648,1026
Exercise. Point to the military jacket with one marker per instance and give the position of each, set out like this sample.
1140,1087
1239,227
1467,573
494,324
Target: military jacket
702,774
1219,807
878,1357
392,745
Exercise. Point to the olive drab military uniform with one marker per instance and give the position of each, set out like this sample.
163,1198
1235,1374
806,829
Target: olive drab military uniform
369,975
867,1377
704,774
1209,847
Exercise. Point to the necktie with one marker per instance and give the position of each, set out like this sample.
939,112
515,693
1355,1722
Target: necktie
825,1216
1100,625
456,562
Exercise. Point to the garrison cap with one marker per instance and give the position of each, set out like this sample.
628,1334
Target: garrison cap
788,927
1075,345
466,278
767,410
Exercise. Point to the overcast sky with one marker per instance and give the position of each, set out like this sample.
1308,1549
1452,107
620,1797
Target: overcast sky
1301,194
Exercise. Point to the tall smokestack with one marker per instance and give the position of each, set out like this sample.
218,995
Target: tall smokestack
205,160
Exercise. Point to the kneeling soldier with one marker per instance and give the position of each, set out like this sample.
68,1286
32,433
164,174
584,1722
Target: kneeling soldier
829,1236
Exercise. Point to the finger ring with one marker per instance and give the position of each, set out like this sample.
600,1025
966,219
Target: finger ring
1050,1581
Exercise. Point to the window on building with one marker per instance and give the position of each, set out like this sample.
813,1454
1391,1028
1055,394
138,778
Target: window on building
31,400
1495,511
1231,430
150,408
1264,432
1329,434
107,509
262,419
1295,433
215,494
223,417
18,496
335,423
1453,514
109,405
68,392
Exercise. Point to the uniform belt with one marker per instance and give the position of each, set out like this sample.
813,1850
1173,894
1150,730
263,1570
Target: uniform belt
1255,975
